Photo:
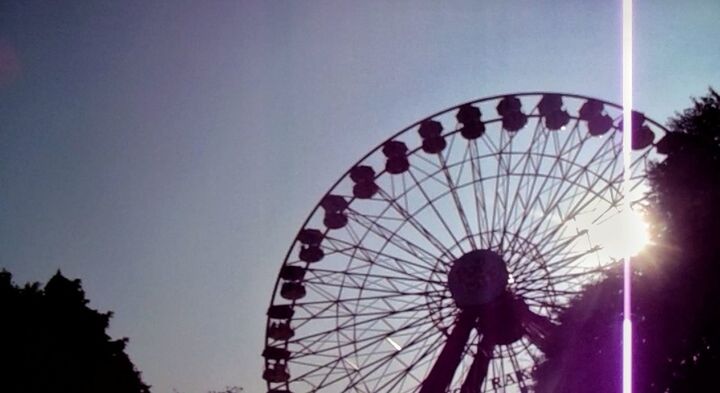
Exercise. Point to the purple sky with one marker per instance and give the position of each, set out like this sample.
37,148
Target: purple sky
167,153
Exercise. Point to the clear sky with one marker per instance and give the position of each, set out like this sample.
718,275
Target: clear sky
167,152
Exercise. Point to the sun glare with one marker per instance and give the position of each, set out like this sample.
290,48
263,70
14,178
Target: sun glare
625,234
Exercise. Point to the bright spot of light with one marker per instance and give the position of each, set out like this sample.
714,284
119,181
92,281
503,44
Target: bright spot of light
634,227
627,356
351,364
625,234
394,344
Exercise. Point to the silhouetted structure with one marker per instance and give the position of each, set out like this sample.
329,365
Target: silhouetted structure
440,260
51,341
676,294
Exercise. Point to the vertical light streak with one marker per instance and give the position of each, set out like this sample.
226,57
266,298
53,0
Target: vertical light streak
627,80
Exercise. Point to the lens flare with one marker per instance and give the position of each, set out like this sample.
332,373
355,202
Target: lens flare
627,93
625,234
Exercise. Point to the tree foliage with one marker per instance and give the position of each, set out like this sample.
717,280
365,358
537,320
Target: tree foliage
676,296
53,342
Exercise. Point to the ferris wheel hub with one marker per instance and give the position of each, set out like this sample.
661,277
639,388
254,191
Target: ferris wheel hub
477,278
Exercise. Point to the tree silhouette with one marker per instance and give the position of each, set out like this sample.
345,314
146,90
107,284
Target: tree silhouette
51,341
676,296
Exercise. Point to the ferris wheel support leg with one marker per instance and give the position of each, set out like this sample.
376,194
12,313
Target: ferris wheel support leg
447,362
478,370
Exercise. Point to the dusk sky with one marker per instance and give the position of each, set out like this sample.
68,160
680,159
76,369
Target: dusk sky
166,153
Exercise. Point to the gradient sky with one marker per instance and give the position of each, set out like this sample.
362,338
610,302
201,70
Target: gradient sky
167,152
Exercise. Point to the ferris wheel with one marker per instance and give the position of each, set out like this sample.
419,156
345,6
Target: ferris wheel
440,261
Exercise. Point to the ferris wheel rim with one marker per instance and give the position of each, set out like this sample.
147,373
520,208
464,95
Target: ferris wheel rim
374,150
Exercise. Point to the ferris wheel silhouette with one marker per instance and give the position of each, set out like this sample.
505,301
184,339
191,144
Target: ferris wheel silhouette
439,261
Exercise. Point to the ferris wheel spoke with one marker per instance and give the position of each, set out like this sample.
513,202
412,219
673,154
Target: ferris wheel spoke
607,154
380,231
515,375
410,217
500,193
576,206
429,202
572,211
371,281
388,305
371,366
333,340
519,373
447,153
353,251
422,353
499,372
388,293
397,383
377,363
489,144
383,267
321,292
570,286
330,373
559,277
536,203
479,192
546,216
525,343
411,247
526,159
451,185
411,300
583,203
561,247
310,341
552,203
387,376
421,360
575,260
519,269
525,214
416,281
552,218
535,170
488,190
566,285
465,158
319,310
387,233
375,257
429,176
407,337
393,237
405,216
385,337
